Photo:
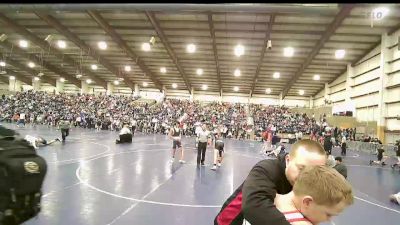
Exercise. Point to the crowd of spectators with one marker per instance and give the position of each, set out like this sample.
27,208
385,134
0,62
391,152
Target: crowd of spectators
111,112
281,119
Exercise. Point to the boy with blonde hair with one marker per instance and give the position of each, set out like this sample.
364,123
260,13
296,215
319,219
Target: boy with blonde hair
319,193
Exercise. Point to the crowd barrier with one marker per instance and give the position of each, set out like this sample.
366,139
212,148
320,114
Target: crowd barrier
371,148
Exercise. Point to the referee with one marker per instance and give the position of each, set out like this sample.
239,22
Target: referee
202,136
64,125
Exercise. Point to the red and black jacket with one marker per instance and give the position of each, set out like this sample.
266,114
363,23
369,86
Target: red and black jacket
254,199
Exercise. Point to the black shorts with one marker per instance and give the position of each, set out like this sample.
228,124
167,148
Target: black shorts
176,143
380,157
219,146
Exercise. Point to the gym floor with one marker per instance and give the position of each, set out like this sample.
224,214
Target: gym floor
91,180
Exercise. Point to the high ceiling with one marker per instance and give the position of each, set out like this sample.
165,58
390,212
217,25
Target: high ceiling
314,31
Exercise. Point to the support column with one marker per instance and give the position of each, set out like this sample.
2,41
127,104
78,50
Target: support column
136,90
311,102
220,96
14,85
59,87
36,84
382,83
110,88
326,92
349,82
85,87
281,102
191,95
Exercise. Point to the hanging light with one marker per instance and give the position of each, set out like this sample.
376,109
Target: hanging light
237,73
128,68
239,50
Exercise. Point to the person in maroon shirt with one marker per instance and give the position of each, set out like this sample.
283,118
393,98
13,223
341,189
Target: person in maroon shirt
254,199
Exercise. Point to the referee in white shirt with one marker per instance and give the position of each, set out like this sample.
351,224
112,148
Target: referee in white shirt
203,136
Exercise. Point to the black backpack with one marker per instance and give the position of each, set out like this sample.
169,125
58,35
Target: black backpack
22,173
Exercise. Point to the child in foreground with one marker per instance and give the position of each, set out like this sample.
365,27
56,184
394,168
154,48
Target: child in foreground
320,193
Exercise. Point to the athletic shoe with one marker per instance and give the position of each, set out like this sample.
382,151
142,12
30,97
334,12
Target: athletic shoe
214,167
394,199
202,164
383,163
370,162
182,161
172,160
58,139
219,164
392,166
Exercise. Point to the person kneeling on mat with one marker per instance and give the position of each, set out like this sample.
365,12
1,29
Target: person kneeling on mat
319,193
36,142
218,150
125,135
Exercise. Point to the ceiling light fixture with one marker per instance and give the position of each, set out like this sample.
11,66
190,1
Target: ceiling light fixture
2,63
145,84
204,87
239,50
237,73
163,70
31,65
61,44
94,67
146,47
116,82
23,44
301,92
288,52
128,68
339,54
78,75
236,88
12,78
36,78
191,48
174,85
276,75
199,71
268,90
102,45
316,77
62,80
89,81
